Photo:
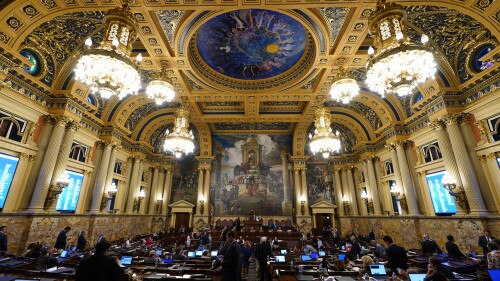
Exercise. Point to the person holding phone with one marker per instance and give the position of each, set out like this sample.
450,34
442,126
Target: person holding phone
62,239
437,272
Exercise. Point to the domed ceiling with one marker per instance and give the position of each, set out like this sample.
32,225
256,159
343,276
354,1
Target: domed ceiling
248,67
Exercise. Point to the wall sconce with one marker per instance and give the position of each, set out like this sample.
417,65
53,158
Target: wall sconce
159,199
347,207
112,190
368,203
56,189
449,183
395,191
202,204
137,202
302,204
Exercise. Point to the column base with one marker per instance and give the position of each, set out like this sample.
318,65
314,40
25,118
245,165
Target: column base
286,208
34,211
479,213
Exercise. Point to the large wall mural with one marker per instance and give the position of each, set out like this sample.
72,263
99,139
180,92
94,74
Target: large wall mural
251,44
319,181
185,180
251,172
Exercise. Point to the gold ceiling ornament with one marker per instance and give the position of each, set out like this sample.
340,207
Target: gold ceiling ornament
345,87
108,69
160,89
324,140
181,140
396,65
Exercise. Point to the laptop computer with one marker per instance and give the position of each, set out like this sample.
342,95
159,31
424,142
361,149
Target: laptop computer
314,255
126,260
159,252
64,254
494,274
341,257
199,253
416,276
283,252
191,254
378,271
279,259
167,260
213,253
322,253
305,258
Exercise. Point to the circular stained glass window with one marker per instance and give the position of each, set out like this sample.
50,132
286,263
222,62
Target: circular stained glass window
34,69
478,64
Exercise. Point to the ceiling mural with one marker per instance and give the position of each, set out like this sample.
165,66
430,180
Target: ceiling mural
251,44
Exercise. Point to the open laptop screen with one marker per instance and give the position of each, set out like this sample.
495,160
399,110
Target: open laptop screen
494,274
321,253
199,253
283,252
416,276
377,270
279,258
314,255
213,253
191,254
342,257
305,257
159,252
126,260
64,254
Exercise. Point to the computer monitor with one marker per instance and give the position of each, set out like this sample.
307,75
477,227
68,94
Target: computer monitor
159,252
73,249
279,258
314,255
283,252
342,257
416,276
167,260
64,254
126,260
377,270
199,253
213,253
322,253
494,274
25,279
191,254
305,257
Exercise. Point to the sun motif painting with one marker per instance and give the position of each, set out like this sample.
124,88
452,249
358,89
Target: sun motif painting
251,44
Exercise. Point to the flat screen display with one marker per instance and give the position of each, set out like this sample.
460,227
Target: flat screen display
64,254
279,258
305,257
68,199
283,252
191,254
314,255
342,257
442,201
416,276
159,252
213,253
199,253
8,165
322,253
126,260
377,269
494,274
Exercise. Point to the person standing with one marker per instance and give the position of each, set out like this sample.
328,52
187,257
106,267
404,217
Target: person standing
99,266
429,246
62,239
484,240
396,255
82,241
452,248
262,253
238,224
246,254
231,261
3,239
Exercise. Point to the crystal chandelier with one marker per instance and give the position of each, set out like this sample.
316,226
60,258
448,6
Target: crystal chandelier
159,89
107,69
180,140
324,140
344,88
397,65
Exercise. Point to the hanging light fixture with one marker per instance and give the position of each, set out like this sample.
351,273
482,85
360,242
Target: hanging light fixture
397,65
344,88
107,69
324,140
180,140
159,89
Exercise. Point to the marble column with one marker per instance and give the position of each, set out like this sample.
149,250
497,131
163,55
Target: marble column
352,193
122,193
409,190
446,150
304,190
43,142
133,185
357,185
111,170
338,191
201,176
119,197
493,172
284,166
148,192
101,178
371,183
206,188
47,168
154,191
297,188
167,189
465,168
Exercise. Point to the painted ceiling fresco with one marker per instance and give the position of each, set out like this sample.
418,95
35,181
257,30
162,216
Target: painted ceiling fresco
251,44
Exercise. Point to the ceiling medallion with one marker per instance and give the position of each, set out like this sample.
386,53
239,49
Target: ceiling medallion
398,65
107,69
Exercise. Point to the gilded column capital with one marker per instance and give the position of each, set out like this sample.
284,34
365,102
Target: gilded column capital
437,125
390,147
483,130
31,158
23,156
336,170
463,118
49,119
450,119
73,126
86,172
62,120
400,144
492,156
482,158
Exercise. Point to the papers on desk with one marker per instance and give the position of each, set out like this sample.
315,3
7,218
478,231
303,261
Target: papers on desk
355,268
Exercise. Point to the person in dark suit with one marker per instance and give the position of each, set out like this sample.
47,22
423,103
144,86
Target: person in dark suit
238,224
429,246
62,239
371,235
262,252
82,241
484,240
452,248
3,239
99,266
231,263
396,255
